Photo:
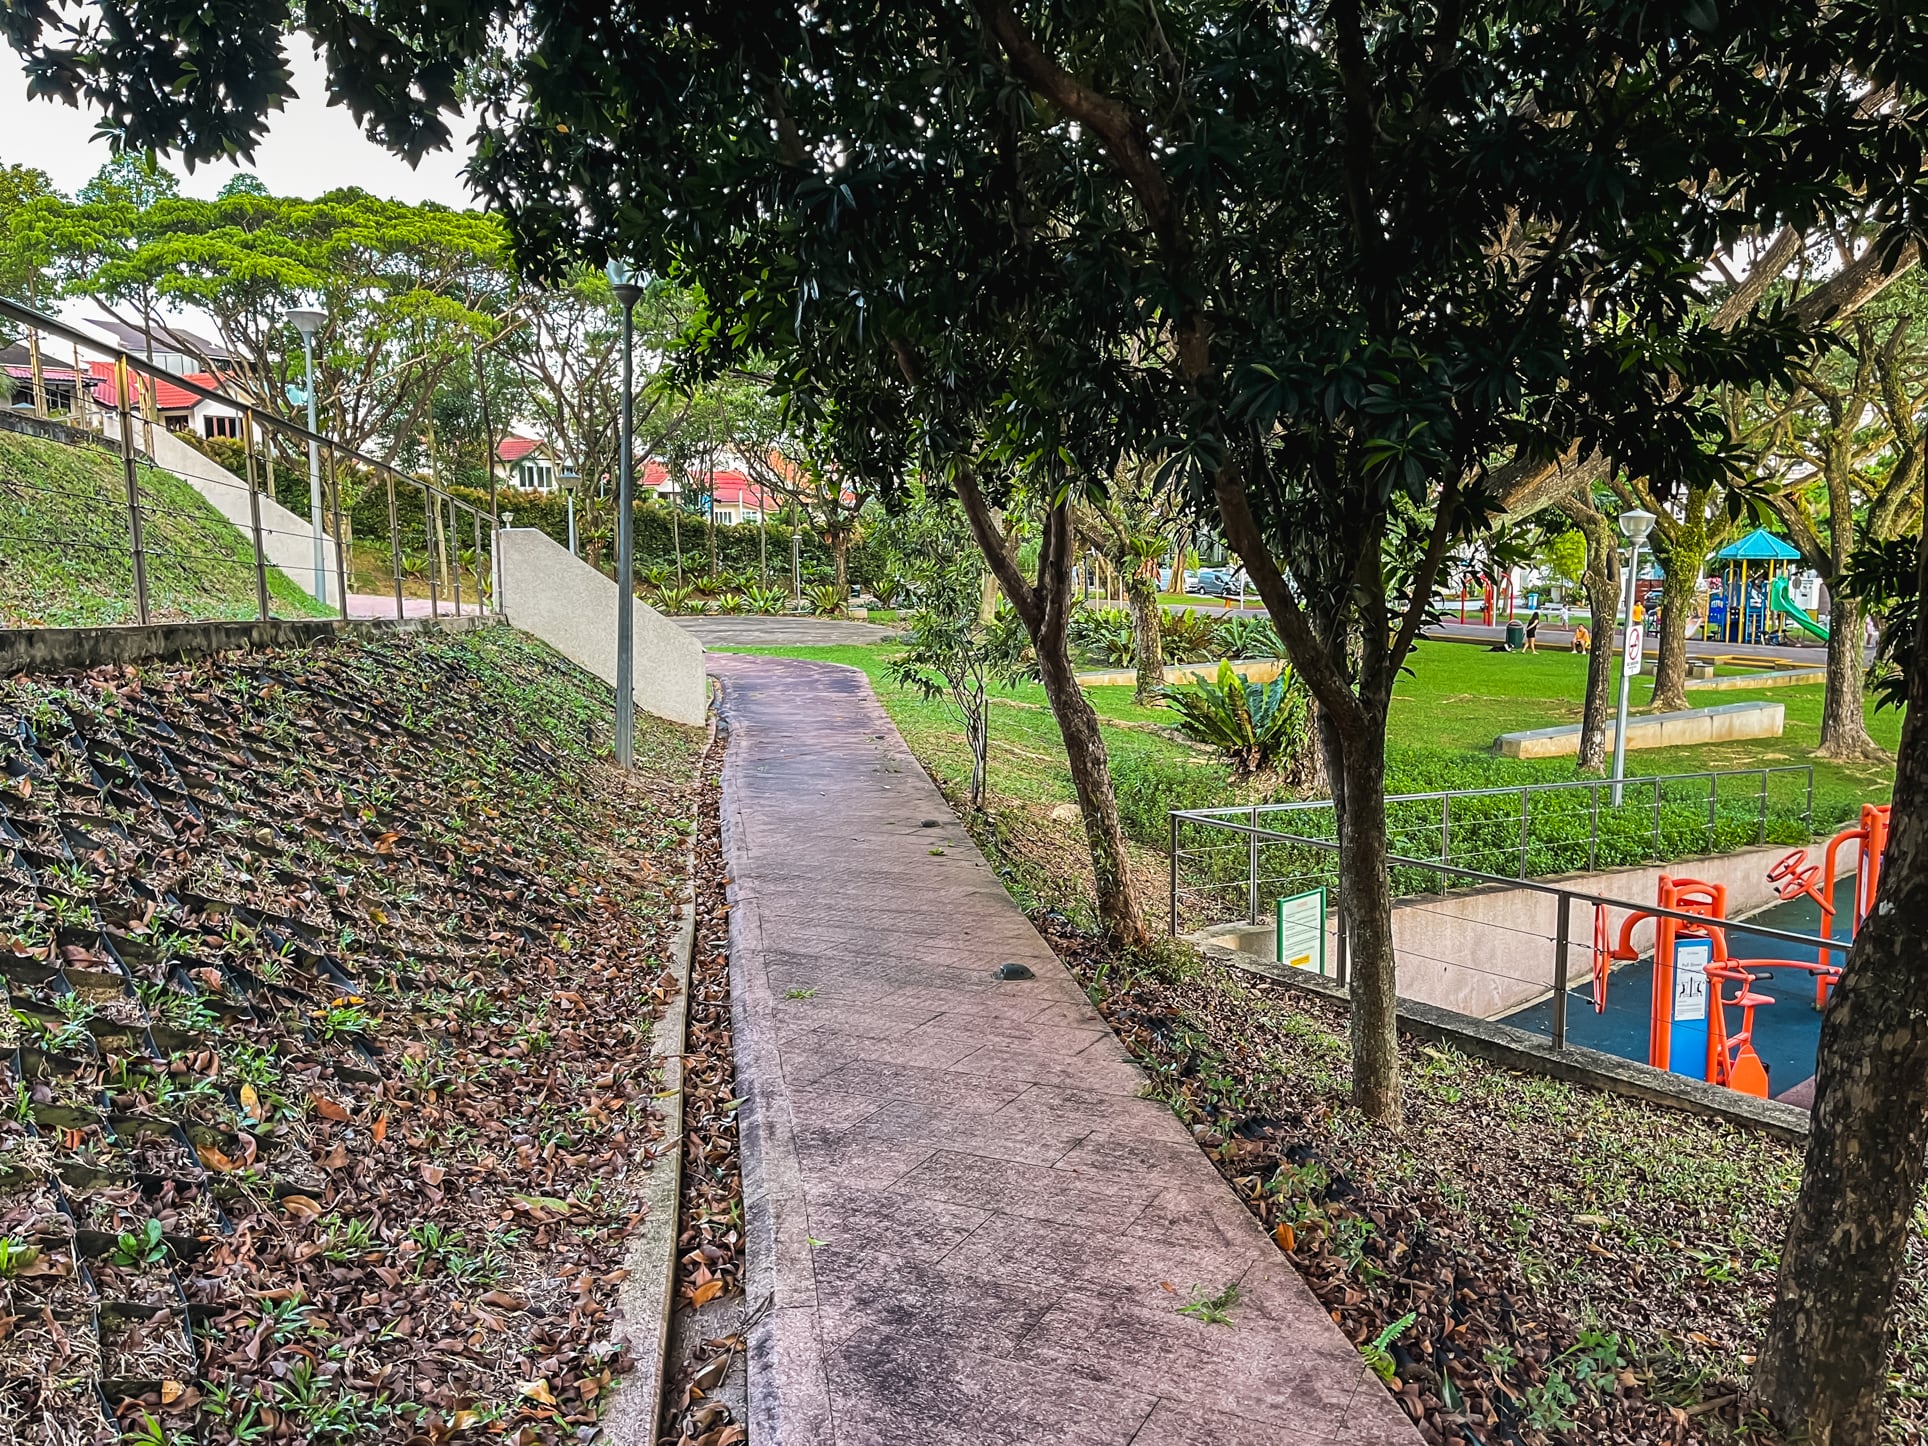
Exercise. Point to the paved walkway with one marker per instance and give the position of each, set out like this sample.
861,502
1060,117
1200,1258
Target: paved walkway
966,1226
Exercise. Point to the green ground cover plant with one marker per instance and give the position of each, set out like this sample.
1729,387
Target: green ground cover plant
66,559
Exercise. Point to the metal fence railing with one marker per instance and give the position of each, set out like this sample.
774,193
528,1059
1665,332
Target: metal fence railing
166,509
1541,963
1229,863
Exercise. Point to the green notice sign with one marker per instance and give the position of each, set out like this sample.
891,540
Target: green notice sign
1301,930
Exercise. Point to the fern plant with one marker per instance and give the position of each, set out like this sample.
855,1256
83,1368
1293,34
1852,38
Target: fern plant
1189,637
1245,636
1258,726
1105,635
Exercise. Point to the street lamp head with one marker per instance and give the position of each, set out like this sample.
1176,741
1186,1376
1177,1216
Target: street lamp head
622,281
306,319
1636,524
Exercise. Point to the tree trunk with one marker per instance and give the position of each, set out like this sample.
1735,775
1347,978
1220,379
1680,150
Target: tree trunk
1687,551
1084,747
1603,605
1365,905
1844,728
1045,608
1823,1369
840,555
987,601
1148,639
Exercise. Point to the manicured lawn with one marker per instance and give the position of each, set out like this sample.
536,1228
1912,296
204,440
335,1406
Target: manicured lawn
1462,697
1446,713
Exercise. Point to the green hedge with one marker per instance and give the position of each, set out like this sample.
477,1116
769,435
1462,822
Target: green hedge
736,544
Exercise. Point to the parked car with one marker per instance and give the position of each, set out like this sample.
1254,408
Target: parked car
1165,580
1220,581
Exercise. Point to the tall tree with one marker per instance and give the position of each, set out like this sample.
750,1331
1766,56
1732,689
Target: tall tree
1602,581
1130,525
1841,467
1823,1369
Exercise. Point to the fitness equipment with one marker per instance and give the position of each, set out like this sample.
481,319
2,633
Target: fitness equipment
1794,878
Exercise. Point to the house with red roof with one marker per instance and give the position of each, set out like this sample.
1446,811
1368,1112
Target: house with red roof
728,495
530,464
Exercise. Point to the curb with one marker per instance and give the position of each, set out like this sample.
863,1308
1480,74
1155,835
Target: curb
649,1291
59,650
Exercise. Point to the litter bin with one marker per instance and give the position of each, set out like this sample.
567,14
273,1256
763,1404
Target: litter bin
1515,635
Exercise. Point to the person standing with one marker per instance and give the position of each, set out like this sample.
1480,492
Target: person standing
1533,632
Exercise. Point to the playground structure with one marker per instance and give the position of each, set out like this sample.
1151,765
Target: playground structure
1689,1027
1754,602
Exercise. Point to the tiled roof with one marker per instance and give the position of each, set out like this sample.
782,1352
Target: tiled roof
514,449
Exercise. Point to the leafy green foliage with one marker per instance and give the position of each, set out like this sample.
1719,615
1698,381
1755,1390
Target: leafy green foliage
135,1248
1258,726
827,601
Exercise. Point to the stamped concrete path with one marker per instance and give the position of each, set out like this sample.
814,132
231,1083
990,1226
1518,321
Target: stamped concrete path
966,1225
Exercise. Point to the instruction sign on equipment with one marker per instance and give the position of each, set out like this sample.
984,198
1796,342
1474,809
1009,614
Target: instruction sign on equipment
1301,930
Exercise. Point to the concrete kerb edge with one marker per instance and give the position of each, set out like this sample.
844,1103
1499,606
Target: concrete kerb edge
1512,1048
58,650
649,1290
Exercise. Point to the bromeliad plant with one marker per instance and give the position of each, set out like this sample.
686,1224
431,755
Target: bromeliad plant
1260,727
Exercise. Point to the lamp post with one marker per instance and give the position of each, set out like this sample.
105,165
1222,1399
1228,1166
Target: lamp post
307,321
622,281
1636,524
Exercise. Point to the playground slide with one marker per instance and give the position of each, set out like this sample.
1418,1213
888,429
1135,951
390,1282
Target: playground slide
1778,601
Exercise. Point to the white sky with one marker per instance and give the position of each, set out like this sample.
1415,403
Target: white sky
311,147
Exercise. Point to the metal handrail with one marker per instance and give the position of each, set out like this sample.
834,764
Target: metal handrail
1563,936
434,496
1210,815
1243,821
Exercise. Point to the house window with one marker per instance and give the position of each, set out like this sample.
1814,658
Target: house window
222,426
536,477
723,514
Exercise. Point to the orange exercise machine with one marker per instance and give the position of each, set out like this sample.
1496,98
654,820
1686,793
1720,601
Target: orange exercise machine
1688,1031
1796,878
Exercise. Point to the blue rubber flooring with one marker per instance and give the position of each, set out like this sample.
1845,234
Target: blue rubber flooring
1787,1033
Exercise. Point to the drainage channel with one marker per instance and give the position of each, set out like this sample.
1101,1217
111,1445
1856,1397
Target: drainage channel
705,1381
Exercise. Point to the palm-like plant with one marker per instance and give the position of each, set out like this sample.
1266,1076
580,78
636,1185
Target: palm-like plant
827,600
1258,726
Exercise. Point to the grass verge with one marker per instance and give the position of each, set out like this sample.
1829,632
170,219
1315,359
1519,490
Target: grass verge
66,558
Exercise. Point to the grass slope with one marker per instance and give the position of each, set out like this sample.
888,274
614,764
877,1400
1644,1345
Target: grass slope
66,559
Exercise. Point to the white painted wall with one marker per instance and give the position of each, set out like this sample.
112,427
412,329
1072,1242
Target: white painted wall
287,540
572,607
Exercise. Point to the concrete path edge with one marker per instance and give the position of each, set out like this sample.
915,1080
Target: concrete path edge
649,1291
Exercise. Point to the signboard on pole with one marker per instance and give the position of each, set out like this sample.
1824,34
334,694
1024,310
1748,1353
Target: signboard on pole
1636,640
1301,930
1687,1052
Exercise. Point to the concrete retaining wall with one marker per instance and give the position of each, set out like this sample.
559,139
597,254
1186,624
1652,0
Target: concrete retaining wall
572,607
69,650
1490,951
287,540
1724,724
1253,670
